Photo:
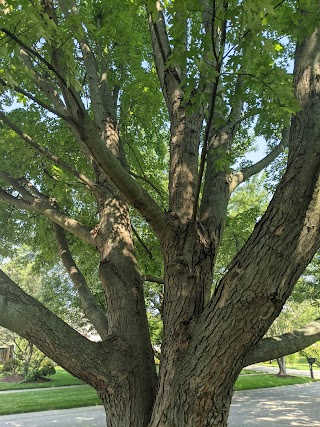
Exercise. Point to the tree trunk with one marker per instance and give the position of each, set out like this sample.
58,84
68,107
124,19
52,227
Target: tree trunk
27,358
282,367
206,341
126,312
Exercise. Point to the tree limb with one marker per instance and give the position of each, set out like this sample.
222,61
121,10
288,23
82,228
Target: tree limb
44,85
35,99
148,181
101,103
274,347
135,194
50,67
24,315
169,77
249,171
153,279
16,186
160,43
145,247
90,306
211,111
46,153
45,208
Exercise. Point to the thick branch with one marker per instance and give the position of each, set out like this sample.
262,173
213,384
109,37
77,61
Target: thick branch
249,171
136,195
16,186
90,306
22,314
211,110
274,347
160,43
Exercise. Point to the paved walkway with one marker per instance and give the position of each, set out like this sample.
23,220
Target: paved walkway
297,405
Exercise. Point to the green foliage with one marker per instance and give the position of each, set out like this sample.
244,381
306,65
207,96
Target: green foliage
246,207
11,366
307,287
40,371
312,351
155,325
50,286
256,71
60,379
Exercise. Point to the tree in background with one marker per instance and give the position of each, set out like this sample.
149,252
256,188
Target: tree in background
105,105
293,316
307,292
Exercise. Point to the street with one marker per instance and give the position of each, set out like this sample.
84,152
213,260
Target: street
297,405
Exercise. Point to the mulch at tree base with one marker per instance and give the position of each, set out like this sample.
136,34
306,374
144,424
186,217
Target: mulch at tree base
12,378
18,378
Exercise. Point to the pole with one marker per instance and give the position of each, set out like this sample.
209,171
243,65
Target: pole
311,370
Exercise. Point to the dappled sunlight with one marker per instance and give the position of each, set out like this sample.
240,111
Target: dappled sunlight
93,416
182,188
288,406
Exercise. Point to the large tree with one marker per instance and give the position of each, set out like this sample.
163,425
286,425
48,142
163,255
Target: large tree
94,96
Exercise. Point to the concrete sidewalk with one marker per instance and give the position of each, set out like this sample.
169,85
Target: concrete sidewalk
297,405
92,416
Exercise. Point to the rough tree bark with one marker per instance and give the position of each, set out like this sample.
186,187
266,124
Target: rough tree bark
207,339
282,366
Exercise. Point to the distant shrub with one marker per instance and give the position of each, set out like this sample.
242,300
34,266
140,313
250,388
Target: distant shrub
11,366
35,374
47,368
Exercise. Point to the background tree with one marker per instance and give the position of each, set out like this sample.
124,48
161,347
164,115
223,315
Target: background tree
104,106
294,315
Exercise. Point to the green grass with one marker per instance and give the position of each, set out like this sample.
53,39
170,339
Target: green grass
303,367
59,379
249,372
252,382
44,400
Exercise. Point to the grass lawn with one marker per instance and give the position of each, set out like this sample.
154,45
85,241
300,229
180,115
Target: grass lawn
44,400
248,372
252,382
59,379
50,398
